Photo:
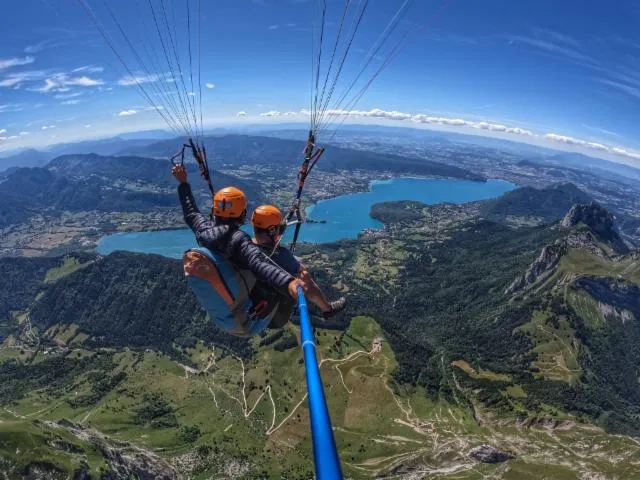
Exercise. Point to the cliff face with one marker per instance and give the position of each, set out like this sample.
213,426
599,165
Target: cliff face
593,215
618,299
541,268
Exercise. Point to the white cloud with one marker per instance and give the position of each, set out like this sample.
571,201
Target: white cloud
70,102
564,139
87,126
38,47
10,82
15,62
23,134
127,113
63,96
598,146
459,122
129,81
12,137
630,90
89,69
3,130
241,114
84,82
15,79
273,27
210,85
61,82
191,94
47,127
626,153
593,145
11,107
275,113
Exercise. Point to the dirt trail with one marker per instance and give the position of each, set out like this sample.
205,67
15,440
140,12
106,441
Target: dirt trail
247,412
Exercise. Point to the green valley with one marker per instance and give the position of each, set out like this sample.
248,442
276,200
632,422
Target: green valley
469,336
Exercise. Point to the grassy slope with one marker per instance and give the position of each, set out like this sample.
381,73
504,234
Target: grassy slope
266,421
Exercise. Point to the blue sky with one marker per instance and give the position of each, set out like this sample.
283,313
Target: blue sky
560,74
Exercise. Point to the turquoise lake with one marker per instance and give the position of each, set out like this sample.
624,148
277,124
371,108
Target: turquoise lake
346,216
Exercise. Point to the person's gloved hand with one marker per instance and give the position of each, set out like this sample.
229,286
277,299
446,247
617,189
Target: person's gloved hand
180,172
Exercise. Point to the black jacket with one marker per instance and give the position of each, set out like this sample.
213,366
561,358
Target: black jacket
231,242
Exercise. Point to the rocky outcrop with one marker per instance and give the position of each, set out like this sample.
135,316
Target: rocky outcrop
541,268
599,220
618,300
592,215
545,422
489,454
124,459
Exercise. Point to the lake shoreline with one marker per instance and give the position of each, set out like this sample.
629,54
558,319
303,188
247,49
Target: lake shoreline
337,218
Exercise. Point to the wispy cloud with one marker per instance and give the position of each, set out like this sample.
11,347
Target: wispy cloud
275,113
17,78
471,124
556,36
87,125
71,102
127,113
89,69
446,37
241,114
210,85
601,130
63,96
15,62
272,113
61,82
273,27
129,81
47,127
23,134
38,47
11,107
553,48
622,87
3,131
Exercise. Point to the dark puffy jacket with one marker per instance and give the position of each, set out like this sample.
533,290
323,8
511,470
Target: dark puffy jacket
231,242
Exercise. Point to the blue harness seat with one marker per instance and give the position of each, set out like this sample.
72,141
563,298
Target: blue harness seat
226,293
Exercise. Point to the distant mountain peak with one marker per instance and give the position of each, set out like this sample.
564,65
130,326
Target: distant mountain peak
596,217
599,221
545,205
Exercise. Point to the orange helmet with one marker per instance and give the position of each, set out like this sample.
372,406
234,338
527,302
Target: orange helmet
229,202
266,217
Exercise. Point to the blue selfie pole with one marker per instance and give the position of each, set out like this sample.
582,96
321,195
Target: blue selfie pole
325,454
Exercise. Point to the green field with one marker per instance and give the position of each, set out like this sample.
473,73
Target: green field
249,417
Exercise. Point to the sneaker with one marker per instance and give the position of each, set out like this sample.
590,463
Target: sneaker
336,307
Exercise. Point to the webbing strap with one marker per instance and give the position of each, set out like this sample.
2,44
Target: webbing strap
311,156
200,155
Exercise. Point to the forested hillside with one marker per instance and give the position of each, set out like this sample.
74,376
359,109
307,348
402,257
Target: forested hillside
251,150
483,326
79,183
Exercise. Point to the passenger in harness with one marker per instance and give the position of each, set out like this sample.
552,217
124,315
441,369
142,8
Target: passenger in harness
268,228
223,273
